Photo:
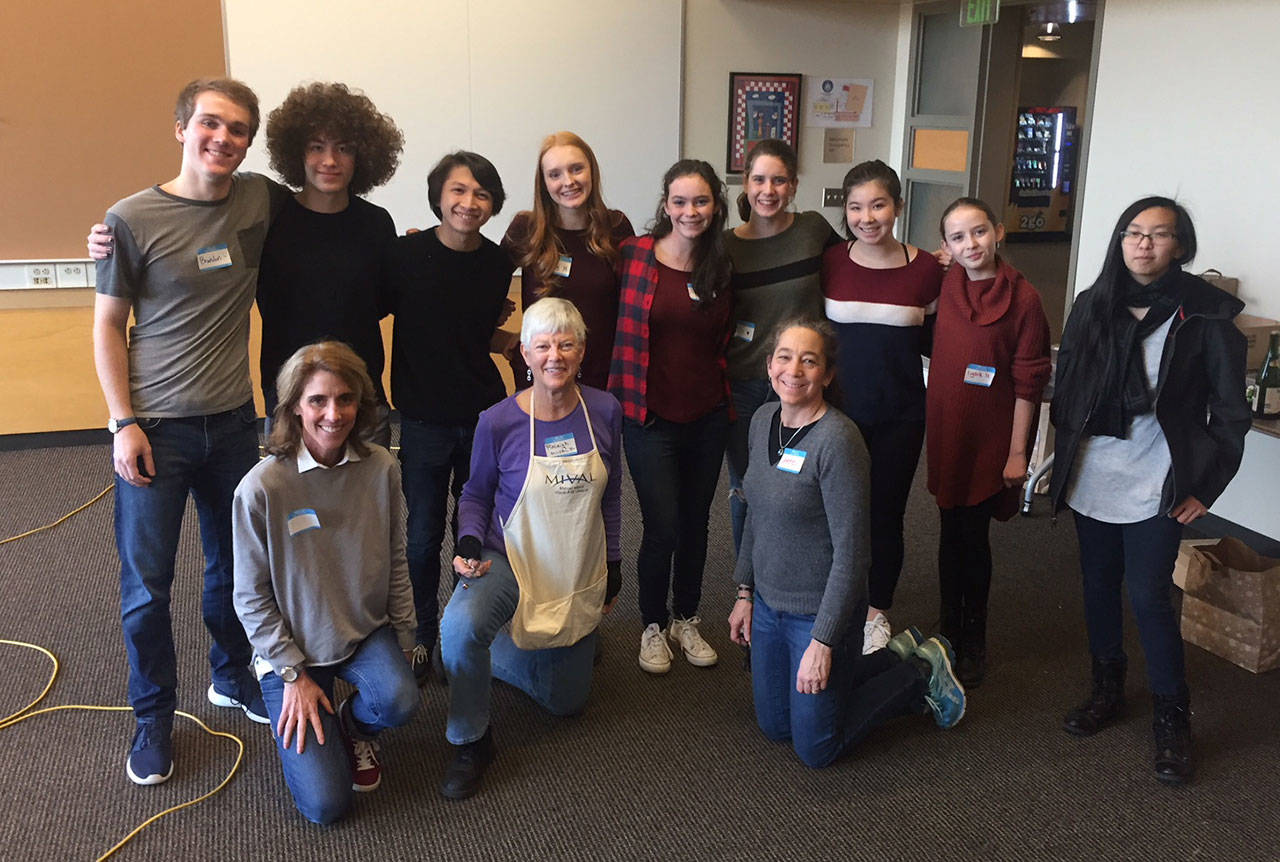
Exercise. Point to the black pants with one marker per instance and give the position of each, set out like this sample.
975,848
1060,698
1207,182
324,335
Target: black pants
675,467
964,559
894,448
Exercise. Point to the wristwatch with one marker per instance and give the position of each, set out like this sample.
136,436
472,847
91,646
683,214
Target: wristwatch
289,674
114,425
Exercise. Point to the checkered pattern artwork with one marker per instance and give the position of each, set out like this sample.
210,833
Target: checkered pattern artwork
760,106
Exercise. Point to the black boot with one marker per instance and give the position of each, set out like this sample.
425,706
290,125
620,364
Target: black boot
463,777
971,666
1172,726
1105,703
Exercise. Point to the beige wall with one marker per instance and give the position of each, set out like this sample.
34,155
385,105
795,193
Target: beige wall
86,110
809,37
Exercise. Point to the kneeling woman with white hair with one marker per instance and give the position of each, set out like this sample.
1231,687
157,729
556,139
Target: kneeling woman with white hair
322,582
539,542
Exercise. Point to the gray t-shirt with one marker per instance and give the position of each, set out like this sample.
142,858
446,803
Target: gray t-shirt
1122,481
190,270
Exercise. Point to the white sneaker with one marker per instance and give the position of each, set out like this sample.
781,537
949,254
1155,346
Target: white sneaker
875,634
695,649
655,655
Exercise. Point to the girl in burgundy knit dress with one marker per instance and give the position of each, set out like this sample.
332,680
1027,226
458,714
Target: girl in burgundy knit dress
989,366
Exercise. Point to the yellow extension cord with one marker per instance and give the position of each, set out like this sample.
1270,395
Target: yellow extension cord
28,711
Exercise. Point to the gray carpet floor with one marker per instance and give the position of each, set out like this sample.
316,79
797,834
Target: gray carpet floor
657,767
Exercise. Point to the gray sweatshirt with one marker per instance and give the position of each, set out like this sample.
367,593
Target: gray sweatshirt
320,557
806,548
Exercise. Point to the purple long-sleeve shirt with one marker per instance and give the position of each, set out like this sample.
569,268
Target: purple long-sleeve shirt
500,462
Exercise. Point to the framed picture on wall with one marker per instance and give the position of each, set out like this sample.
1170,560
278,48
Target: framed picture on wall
761,105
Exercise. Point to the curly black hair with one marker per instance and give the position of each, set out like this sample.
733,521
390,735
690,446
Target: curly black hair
318,109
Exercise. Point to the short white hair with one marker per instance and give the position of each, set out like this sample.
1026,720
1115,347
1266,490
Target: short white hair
550,315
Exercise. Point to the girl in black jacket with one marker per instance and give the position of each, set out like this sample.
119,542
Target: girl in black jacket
1150,417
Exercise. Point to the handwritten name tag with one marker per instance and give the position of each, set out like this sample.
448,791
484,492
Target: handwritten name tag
213,257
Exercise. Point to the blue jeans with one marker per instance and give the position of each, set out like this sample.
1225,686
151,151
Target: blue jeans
429,455
675,467
476,648
748,396
206,457
1141,556
863,692
386,696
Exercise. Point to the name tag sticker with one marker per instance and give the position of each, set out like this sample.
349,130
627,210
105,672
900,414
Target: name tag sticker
792,460
561,446
213,257
744,330
302,520
564,265
979,375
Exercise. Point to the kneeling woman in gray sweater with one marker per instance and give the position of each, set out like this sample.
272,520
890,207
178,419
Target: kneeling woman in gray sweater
802,572
322,580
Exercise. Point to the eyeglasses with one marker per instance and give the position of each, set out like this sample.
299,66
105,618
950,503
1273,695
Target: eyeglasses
1157,237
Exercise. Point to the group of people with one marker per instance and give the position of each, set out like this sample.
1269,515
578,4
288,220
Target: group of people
777,346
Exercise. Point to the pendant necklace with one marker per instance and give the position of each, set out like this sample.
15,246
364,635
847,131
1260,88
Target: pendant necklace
782,446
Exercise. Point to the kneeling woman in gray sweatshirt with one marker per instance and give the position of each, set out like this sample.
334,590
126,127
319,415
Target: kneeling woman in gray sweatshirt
802,572
322,580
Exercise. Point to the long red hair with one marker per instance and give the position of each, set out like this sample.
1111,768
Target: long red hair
540,252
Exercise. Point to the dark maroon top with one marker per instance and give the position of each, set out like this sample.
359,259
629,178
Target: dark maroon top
686,341
592,286
994,323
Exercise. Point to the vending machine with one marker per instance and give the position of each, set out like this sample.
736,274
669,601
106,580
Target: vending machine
1042,181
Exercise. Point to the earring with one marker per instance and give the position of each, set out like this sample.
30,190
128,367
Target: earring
528,375
579,373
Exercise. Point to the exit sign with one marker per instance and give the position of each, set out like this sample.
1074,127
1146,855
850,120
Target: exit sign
975,13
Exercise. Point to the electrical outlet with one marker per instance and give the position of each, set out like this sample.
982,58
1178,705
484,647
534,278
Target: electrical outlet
832,197
72,275
41,275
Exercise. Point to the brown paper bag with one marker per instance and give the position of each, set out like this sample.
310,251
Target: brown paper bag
1231,604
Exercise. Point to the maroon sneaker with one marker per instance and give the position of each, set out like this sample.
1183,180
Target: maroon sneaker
362,754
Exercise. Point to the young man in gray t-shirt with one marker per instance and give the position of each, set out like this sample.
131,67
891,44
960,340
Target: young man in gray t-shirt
176,383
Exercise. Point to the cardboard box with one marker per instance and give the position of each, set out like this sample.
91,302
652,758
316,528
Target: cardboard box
1257,331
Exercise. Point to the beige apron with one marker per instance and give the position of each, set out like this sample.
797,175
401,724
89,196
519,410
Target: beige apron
556,546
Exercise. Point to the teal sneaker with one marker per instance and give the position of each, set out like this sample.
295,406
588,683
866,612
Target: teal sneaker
904,643
946,645
946,694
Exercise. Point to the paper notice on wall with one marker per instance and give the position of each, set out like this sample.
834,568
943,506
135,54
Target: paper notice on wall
838,102
837,146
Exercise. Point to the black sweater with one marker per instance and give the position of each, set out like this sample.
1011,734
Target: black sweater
321,277
446,305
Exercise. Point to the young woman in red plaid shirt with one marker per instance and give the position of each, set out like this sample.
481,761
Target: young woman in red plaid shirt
668,372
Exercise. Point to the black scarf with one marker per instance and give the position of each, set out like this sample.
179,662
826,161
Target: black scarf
1125,393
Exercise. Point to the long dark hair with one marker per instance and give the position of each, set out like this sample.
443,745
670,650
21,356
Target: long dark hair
710,259
1108,287
874,171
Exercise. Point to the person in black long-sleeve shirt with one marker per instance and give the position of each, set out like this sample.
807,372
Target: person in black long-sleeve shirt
447,289
323,263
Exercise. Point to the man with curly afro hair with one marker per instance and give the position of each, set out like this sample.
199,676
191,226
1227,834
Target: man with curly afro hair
323,263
